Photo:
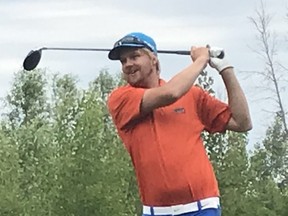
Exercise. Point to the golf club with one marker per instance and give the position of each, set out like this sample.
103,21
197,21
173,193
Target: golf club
33,58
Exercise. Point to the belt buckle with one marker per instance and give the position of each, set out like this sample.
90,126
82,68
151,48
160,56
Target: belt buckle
177,209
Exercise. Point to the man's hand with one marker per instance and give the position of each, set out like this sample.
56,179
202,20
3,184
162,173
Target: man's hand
219,64
199,52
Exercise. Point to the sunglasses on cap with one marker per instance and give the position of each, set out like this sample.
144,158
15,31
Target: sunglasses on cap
131,40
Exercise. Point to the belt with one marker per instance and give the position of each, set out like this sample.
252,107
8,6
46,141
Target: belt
212,202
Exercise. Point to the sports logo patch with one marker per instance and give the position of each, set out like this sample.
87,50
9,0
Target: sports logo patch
179,110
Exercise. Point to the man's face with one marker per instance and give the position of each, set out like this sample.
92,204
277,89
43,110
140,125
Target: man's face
137,66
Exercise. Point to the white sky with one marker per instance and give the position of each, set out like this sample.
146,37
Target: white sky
31,24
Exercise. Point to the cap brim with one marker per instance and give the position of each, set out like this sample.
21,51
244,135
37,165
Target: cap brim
114,54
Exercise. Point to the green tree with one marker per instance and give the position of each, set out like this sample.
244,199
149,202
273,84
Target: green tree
269,171
60,154
9,177
95,169
269,158
29,134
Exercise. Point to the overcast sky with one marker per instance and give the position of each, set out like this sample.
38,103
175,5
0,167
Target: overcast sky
28,24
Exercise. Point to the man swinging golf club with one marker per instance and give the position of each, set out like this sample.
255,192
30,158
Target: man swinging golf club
161,122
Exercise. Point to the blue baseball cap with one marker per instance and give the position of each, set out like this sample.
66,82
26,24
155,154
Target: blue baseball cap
134,39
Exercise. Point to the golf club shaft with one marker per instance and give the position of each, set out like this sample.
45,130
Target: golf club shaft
179,52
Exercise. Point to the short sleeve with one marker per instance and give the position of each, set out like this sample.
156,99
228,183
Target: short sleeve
213,113
124,105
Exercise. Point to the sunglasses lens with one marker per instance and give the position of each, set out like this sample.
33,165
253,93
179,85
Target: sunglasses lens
128,40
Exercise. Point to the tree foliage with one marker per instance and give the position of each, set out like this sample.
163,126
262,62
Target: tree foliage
59,151
250,184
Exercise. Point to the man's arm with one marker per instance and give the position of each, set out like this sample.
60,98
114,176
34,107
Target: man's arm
240,120
179,85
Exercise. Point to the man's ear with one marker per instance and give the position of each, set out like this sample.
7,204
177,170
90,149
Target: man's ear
154,60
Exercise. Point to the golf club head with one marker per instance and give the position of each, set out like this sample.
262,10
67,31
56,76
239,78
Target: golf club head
32,60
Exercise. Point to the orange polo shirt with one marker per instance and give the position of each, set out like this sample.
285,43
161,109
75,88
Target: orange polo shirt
165,146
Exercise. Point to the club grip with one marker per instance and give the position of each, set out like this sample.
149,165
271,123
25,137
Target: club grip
213,52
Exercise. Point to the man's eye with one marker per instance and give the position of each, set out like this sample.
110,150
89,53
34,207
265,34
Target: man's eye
135,56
